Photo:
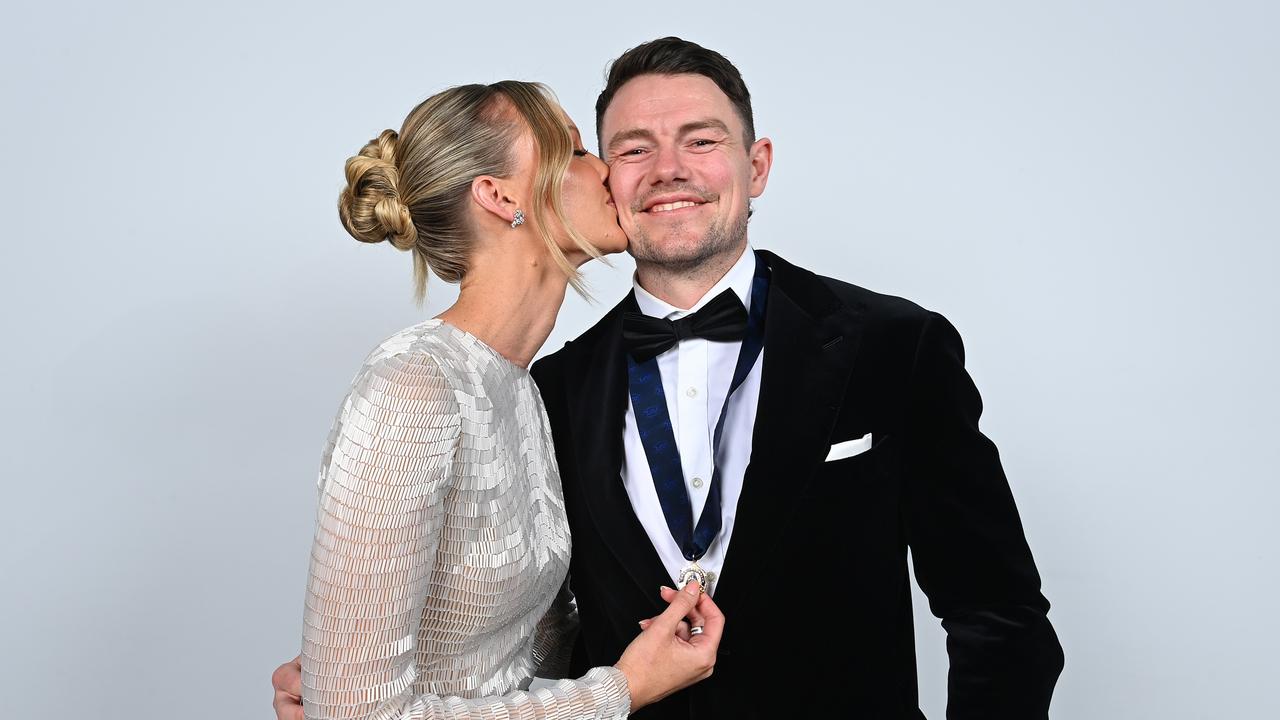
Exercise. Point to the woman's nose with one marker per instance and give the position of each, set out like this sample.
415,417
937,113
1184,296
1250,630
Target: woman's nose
602,168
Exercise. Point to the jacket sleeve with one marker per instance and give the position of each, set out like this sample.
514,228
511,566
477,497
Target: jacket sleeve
385,475
970,554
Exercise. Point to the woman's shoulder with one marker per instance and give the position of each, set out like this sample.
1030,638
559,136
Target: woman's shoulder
438,365
402,402
413,363
428,347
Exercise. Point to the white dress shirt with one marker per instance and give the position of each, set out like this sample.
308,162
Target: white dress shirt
696,375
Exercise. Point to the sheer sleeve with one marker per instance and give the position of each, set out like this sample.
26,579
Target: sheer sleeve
386,471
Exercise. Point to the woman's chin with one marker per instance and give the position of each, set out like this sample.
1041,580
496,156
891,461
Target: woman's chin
611,245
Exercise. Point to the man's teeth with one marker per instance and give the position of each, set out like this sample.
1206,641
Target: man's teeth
667,207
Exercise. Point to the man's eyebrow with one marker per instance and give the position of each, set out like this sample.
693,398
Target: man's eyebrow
628,136
708,124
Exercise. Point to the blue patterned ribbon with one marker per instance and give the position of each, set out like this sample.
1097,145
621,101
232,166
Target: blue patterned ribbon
653,420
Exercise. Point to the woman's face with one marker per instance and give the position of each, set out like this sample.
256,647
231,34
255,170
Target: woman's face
587,204
587,199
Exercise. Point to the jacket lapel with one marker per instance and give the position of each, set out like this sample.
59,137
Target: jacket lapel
596,381
811,340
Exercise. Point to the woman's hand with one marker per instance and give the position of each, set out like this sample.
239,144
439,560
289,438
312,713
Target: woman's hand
664,658
694,618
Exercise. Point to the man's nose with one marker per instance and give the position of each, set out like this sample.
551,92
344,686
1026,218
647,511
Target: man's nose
668,165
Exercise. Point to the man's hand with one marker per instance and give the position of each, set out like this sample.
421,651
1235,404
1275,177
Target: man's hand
287,682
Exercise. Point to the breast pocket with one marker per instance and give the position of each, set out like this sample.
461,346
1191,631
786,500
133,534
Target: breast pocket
858,473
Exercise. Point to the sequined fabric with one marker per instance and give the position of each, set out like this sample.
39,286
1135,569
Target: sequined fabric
437,575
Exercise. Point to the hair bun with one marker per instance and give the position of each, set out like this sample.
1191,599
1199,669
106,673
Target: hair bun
370,206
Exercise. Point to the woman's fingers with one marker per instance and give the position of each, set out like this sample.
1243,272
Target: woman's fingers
695,616
680,606
712,622
683,629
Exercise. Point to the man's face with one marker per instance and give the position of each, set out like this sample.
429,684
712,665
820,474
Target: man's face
679,169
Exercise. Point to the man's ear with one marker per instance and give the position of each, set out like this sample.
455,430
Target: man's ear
493,196
761,157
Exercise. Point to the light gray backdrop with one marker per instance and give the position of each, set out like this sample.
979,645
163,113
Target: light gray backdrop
1087,189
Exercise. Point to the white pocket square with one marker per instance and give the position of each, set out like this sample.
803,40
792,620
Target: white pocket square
849,448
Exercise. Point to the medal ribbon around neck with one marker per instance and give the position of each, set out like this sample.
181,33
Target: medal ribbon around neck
653,421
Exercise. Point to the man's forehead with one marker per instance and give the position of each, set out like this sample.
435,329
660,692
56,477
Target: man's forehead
666,100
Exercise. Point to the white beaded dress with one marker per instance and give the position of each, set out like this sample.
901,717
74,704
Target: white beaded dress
437,580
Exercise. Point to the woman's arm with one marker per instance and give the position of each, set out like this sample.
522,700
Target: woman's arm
385,475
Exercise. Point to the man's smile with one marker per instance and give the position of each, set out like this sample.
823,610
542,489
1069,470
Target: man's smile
673,203
669,207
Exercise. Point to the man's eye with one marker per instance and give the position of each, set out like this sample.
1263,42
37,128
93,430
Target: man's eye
703,143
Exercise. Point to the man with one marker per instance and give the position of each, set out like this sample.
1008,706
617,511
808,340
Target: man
794,426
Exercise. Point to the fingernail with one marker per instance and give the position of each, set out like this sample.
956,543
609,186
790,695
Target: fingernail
664,587
692,588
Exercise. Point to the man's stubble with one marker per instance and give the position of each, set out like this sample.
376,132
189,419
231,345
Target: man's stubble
717,250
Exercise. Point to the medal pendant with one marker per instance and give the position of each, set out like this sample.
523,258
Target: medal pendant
694,573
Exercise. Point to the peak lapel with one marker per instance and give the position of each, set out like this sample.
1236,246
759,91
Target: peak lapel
811,340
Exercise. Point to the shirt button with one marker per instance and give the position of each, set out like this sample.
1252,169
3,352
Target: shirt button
711,577
697,482
691,392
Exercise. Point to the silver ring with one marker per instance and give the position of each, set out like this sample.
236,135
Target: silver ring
695,630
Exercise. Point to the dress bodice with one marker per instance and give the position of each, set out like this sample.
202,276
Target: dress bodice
441,547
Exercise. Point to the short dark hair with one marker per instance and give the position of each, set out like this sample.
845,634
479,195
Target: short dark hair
673,56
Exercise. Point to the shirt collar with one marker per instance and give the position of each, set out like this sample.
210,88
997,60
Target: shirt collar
737,279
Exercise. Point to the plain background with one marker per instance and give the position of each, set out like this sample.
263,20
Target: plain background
1088,190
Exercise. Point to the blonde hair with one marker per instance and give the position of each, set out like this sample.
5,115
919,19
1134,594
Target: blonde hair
413,188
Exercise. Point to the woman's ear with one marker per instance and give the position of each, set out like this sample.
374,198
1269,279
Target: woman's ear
493,196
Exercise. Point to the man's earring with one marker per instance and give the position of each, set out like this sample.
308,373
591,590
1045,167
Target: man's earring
518,220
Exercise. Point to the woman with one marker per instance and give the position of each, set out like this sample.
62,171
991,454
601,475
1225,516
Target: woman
437,582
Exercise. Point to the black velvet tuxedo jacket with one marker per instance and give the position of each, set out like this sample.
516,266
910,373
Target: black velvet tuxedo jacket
814,585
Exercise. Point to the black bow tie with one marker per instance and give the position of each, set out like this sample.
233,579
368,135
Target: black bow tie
723,319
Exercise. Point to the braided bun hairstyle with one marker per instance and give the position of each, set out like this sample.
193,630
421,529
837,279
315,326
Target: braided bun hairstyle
370,206
413,188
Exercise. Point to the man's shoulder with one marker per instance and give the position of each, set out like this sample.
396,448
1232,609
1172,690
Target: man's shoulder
876,307
878,304
822,292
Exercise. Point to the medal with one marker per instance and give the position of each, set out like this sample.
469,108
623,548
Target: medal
692,573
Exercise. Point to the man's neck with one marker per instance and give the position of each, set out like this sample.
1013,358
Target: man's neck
683,286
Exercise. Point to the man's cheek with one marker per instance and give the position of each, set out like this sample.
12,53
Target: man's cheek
627,222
